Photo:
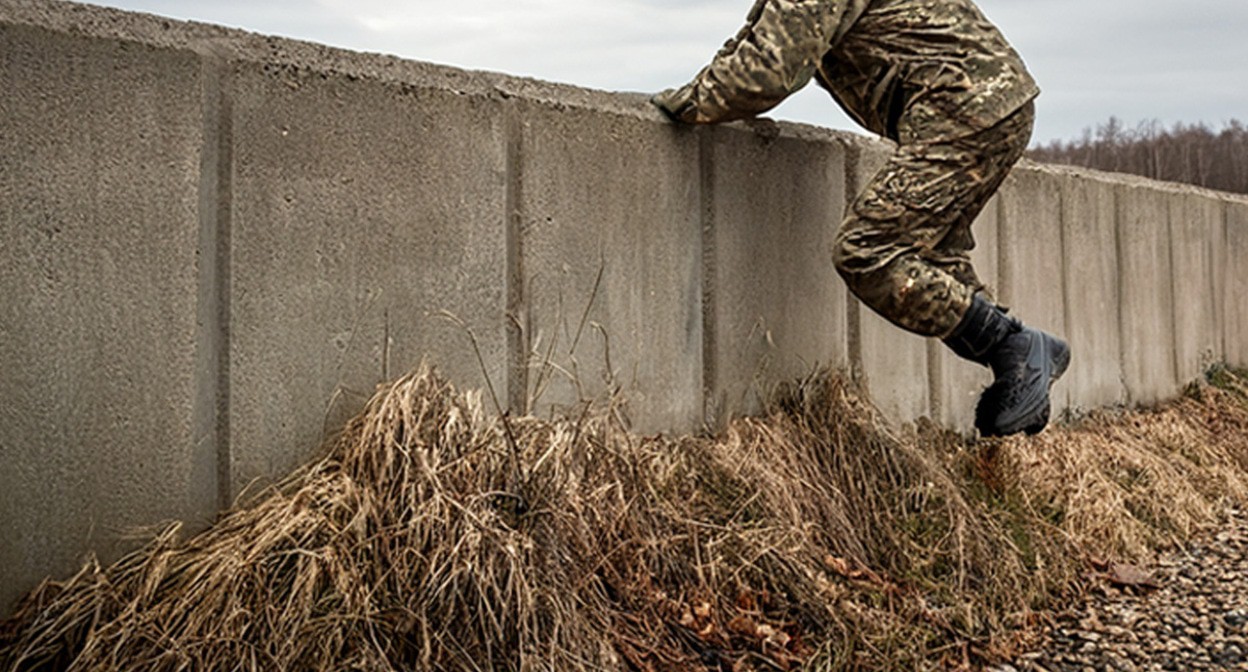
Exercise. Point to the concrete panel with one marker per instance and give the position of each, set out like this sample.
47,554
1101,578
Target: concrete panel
362,209
957,382
99,229
778,304
1146,311
612,251
275,227
892,361
1031,251
1032,259
1198,239
1235,287
895,367
1091,272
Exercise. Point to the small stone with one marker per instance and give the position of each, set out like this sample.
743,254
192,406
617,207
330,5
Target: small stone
1122,664
1196,620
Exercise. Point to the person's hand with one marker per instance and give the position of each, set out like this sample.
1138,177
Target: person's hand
676,104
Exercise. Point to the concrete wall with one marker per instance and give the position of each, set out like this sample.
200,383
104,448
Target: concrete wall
213,245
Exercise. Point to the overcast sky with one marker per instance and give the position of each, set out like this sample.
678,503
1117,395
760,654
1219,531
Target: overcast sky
1137,59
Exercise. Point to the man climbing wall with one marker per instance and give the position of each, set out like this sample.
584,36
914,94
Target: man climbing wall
938,79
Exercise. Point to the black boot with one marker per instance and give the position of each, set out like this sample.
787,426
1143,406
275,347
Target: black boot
1025,363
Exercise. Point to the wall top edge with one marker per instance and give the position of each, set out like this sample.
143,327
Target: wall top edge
1127,180
241,46
236,45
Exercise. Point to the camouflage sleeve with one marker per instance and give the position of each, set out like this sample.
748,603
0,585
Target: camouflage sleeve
774,55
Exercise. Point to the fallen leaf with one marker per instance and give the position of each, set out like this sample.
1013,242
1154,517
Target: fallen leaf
772,637
853,572
839,565
744,626
1124,575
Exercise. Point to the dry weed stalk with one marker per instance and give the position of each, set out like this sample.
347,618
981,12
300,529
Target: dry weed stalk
812,538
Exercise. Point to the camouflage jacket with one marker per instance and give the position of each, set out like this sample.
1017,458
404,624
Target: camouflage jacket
909,70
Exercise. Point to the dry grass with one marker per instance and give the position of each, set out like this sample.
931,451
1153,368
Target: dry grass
433,537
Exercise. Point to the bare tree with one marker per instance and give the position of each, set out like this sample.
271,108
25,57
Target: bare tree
1191,153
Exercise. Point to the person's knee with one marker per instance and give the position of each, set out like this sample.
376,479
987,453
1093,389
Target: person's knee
865,285
842,254
863,280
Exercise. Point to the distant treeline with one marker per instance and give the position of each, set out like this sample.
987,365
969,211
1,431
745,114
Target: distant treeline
1195,154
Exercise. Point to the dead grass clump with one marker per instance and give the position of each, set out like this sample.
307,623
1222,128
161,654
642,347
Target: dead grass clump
1126,484
433,537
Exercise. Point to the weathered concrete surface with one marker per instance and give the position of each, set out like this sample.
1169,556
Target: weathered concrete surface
1089,240
1146,308
1198,254
776,304
1032,280
361,210
955,381
1235,286
215,243
1033,264
99,229
612,255
893,362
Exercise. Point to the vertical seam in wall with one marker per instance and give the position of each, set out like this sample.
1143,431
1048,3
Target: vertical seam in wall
1062,221
1005,274
385,344
706,194
225,471
208,312
517,325
1227,285
1119,223
1220,262
1175,354
853,310
225,232
935,379
215,219
1067,321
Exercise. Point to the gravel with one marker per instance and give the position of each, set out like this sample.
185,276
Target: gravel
1196,620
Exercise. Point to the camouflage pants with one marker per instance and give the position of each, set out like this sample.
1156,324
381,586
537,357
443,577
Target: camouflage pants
904,247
